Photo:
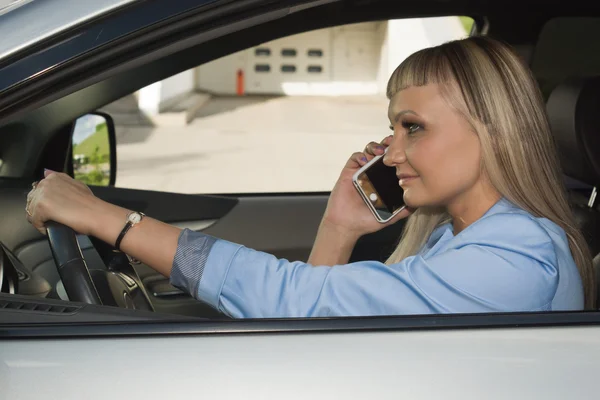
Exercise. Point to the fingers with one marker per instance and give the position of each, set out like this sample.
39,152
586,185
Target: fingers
29,199
34,211
377,149
60,198
374,149
65,179
387,141
359,159
371,150
401,215
34,207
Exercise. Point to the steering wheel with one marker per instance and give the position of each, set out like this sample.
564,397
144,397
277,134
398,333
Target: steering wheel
71,266
120,288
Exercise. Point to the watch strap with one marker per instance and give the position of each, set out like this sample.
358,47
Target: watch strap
126,228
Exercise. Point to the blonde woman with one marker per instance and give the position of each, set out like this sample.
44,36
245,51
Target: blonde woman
489,228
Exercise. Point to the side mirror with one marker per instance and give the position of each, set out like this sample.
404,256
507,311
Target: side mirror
94,150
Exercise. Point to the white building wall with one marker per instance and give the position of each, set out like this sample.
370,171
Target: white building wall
219,76
159,96
406,36
442,29
355,59
383,64
293,63
149,98
176,86
357,50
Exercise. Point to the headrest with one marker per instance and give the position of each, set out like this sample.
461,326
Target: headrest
574,114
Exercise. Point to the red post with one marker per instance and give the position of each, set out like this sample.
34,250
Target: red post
240,82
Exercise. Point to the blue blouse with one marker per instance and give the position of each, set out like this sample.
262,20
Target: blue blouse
506,261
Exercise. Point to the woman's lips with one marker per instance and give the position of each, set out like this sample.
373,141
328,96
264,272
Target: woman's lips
406,179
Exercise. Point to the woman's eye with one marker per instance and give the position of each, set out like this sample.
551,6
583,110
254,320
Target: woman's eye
411,127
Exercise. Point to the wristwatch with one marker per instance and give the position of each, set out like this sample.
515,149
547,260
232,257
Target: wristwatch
133,218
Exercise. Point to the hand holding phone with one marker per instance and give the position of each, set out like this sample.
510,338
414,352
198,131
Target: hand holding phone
378,186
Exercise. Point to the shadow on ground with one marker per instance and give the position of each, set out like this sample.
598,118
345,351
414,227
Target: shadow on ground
133,126
223,104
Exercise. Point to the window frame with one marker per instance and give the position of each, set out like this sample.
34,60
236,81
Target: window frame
187,326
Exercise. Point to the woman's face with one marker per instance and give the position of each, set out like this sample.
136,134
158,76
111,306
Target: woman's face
435,151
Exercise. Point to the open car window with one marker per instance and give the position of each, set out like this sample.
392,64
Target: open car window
229,126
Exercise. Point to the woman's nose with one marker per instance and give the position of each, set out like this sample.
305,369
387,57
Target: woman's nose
395,153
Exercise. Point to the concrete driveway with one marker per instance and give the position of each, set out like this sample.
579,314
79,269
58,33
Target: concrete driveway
246,145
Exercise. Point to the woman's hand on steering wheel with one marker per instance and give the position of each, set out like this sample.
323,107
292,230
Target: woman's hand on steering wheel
60,198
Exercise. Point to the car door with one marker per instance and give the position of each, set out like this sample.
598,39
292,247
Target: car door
386,358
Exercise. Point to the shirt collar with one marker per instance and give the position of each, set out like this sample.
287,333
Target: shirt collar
444,233
501,206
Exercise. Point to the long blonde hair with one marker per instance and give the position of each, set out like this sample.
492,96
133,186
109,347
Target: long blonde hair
486,82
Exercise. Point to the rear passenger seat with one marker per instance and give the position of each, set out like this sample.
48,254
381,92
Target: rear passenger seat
574,112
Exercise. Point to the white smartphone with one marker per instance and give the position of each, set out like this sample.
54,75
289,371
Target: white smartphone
378,186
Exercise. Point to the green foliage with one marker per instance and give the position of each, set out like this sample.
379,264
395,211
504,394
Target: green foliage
94,178
95,150
467,23
99,139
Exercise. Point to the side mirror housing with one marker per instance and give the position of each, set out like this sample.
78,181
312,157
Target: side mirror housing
94,150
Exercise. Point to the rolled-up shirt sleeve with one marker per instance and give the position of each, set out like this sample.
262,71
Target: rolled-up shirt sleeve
190,258
483,271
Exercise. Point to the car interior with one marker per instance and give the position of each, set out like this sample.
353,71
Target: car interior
560,44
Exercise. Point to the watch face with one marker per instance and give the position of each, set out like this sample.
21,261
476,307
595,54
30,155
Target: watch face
135,218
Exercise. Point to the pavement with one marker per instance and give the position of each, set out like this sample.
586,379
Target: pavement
251,145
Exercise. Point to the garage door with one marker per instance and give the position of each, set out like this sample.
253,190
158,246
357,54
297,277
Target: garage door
296,60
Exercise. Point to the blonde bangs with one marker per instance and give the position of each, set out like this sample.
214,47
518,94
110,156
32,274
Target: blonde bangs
427,66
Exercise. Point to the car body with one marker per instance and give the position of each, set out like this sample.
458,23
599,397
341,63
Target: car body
77,61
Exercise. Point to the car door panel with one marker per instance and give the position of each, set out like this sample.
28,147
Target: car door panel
283,225
492,363
170,207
